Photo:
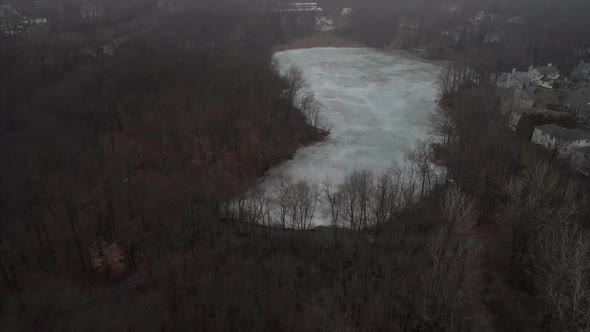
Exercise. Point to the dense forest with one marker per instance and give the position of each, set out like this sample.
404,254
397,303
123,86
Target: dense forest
120,155
130,144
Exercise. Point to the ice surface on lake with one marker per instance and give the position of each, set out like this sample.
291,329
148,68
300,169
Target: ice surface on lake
377,105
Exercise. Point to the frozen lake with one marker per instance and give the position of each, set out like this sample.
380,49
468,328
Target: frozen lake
377,105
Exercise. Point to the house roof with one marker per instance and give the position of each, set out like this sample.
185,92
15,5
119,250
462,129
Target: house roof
298,7
564,134
547,70
519,79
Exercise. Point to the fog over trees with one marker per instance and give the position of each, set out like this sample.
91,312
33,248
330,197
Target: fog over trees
133,134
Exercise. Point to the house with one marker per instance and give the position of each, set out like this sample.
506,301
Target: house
344,18
346,11
516,102
91,12
324,24
298,7
517,79
515,97
582,71
561,140
34,21
578,103
452,8
581,160
298,17
544,76
9,19
523,99
524,103
506,96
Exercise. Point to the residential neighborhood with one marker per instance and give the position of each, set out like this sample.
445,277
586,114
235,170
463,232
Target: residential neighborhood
544,91
566,143
12,22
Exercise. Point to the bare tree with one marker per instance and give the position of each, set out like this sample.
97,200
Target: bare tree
456,77
310,108
295,85
281,200
454,259
443,126
302,201
536,202
563,260
249,210
355,191
458,210
381,199
420,159
334,200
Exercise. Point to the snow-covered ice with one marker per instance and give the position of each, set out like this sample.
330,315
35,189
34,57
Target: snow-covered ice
377,105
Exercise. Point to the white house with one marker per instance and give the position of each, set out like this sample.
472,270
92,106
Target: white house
346,11
561,140
544,76
324,24
299,7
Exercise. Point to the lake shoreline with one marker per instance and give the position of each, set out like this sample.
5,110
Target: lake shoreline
332,40
320,39
365,108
